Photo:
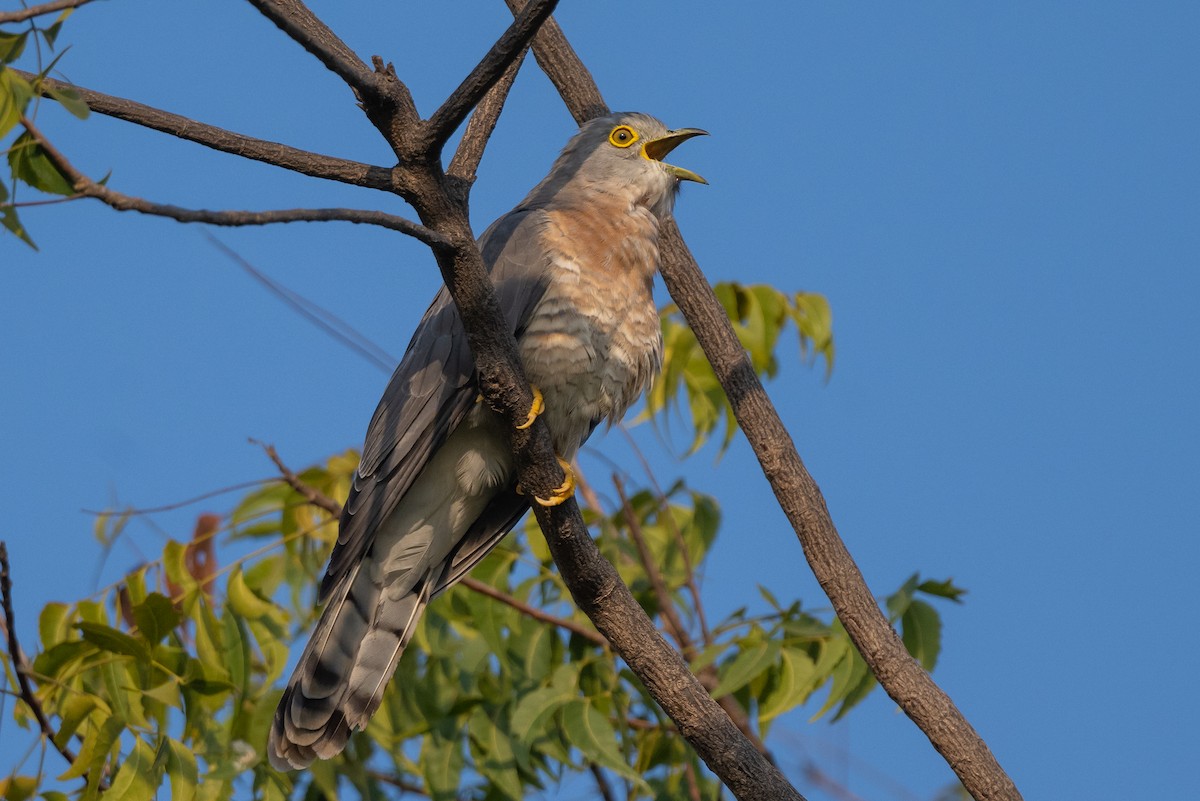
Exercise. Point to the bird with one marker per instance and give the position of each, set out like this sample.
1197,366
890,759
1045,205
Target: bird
573,266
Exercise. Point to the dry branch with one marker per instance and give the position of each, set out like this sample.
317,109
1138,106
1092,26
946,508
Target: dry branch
40,10
86,187
277,155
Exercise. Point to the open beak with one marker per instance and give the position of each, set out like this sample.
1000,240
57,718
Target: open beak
657,149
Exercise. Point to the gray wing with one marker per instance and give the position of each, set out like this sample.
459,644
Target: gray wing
433,388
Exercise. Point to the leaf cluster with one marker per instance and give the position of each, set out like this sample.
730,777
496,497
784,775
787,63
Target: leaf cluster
28,162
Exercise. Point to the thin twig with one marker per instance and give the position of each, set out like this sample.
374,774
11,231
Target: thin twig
21,666
664,507
397,782
506,51
305,162
310,493
149,510
666,607
86,187
470,149
606,792
328,322
39,10
537,614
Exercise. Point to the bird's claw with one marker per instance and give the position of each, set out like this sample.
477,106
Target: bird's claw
560,493
564,490
536,408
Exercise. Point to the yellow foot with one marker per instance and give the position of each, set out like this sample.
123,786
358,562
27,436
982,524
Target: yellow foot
534,410
561,492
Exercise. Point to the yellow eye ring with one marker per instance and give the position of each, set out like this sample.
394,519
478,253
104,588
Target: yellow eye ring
622,136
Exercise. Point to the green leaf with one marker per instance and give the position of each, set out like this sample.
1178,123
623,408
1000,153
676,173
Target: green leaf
942,589
11,46
109,639
94,751
750,661
135,780
15,94
71,101
922,633
73,712
156,617
52,624
534,709
18,788
494,757
244,602
441,765
590,732
792,685
12,224
30,164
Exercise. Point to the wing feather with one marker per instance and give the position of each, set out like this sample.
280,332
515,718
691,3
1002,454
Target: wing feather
434,387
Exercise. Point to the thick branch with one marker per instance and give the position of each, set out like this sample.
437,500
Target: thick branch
273,153
504,53
40,10
898,673
562,66
306,29
86,187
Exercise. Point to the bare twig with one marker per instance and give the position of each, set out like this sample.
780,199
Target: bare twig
273,153
306,29
479,129
149,510
689,570
602,785
336,327
537,614
666,606
21,665
507,50
397,782
40,10
310,493
121,202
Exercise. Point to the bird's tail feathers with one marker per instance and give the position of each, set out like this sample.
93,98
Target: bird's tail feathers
339,681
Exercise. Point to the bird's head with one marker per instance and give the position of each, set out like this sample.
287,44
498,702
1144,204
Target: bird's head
621,154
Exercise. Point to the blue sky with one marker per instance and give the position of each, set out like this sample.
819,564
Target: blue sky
1000,201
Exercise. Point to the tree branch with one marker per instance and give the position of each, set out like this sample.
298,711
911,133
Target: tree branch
278,155
21,666
507,50
479,129
898,673
563,67
482,588
86,187
37,11
306,29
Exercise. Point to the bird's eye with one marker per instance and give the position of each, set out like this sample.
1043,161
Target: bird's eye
623,136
